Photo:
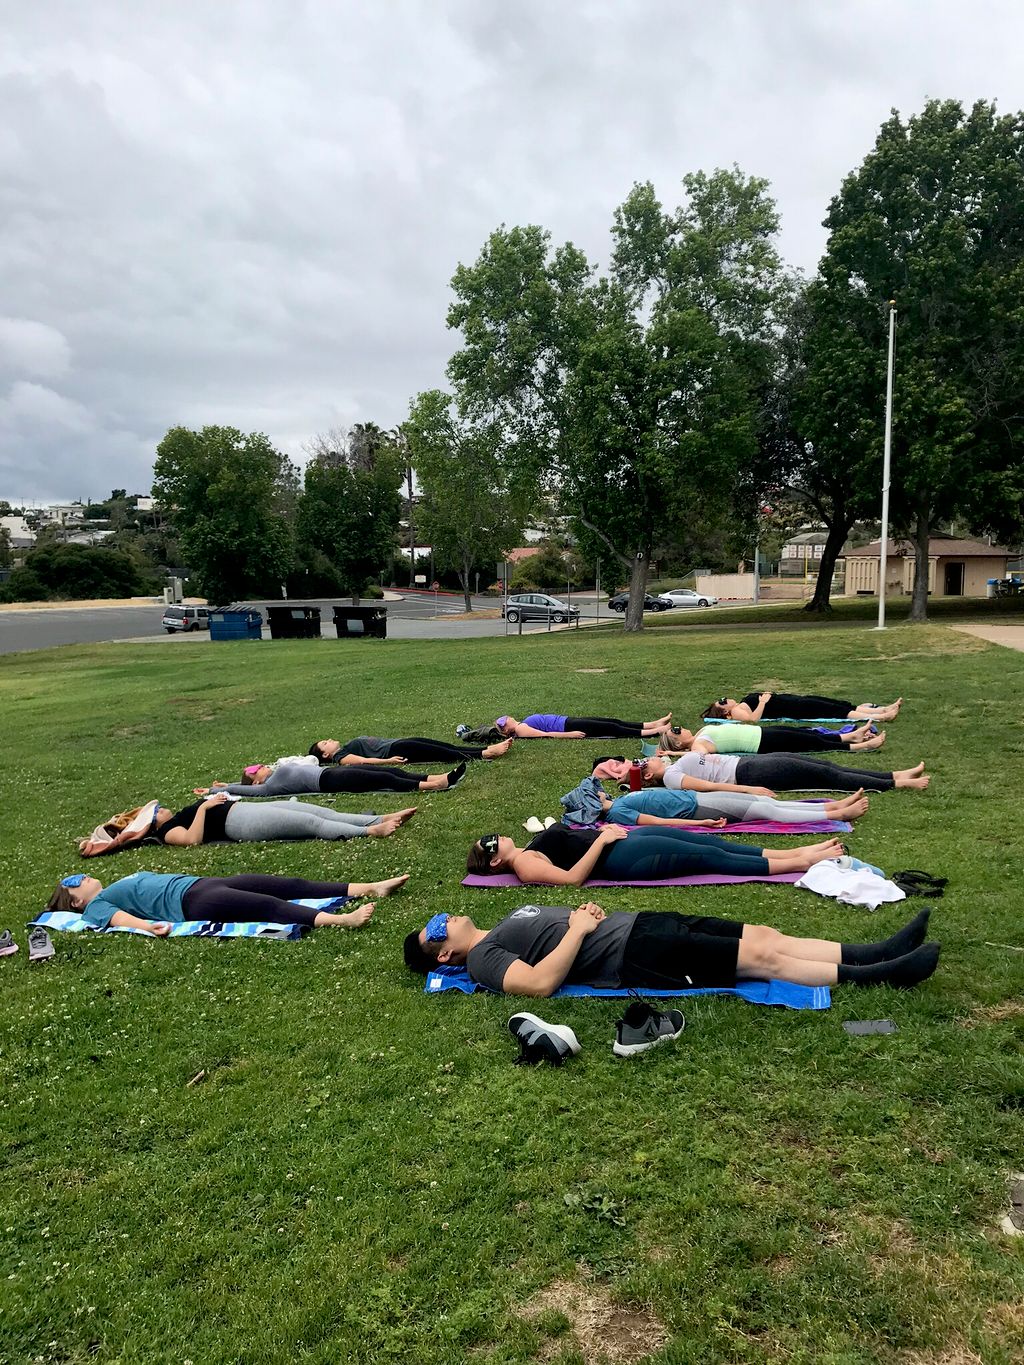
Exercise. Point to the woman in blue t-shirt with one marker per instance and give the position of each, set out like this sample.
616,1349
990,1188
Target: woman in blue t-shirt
153,901
664,806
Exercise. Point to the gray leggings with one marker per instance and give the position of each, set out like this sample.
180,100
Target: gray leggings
736,806
254,823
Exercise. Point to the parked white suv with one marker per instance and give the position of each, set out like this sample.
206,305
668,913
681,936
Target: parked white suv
185,618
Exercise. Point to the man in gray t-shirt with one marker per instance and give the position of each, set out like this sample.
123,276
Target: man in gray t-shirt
536,949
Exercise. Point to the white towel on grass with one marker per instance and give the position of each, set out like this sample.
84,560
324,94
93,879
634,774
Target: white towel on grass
850,885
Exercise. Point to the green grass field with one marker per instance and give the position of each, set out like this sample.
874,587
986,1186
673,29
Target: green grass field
364,1175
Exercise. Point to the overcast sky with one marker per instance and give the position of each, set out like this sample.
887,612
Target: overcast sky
248,213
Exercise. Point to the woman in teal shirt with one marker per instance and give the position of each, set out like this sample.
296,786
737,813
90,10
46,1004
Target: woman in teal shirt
153,901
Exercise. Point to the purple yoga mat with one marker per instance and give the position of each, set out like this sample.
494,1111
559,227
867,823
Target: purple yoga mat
510,879
760,827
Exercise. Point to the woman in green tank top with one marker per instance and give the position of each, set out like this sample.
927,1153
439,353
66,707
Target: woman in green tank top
768,739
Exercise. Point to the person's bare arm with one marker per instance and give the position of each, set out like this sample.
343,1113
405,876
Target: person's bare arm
548,974
763,698
703,746
121,919
537,870
742,715
88,848
681,823
183,838
367,762
524,731
700,784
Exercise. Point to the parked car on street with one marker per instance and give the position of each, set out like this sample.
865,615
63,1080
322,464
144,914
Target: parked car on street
185,618
621,600
538,606
686,597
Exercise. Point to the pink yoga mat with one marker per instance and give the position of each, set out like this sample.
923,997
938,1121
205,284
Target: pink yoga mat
510,879
760,827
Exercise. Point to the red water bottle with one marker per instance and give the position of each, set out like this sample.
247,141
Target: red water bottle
636,775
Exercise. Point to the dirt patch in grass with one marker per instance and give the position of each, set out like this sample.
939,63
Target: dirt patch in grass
993,1014
490,614
604,1332
955,1354
591,670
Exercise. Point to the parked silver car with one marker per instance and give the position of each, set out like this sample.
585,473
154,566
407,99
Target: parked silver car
185,618
538,606
686,597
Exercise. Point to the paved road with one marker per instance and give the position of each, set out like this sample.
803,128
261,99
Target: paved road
413,618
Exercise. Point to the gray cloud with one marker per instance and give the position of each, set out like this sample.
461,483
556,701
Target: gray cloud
249,213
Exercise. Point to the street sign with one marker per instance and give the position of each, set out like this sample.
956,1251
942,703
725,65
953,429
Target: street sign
435,586
421,578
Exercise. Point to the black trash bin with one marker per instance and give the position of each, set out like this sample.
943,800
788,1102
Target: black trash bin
352,622
294,623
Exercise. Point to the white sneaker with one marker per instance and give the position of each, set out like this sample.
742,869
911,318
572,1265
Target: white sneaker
533,825
542,1042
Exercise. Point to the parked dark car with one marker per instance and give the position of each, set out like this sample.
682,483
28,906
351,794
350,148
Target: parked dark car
621,601
538,606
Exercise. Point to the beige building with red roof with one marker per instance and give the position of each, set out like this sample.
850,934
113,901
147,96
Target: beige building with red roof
956,568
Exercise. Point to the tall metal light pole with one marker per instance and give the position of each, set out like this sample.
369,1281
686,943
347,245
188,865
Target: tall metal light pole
885,467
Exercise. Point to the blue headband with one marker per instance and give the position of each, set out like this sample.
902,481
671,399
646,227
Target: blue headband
437,929
76,879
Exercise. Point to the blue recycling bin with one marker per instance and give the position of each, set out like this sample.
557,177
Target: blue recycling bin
236,625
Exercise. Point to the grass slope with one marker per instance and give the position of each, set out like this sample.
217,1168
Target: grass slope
365,1176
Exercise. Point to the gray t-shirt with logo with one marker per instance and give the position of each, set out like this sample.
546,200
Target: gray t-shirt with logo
533,931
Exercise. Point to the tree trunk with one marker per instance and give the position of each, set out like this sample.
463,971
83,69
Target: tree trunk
922,526
637,590
837,533
464,575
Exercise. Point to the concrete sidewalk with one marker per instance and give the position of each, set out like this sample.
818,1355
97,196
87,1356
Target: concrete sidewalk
1010,637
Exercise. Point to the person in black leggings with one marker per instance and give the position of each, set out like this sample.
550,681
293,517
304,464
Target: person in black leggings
568,857
757,706
549,725
766,774
371,750
153,901
301,779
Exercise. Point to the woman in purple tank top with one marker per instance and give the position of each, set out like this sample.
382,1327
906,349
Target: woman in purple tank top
542,725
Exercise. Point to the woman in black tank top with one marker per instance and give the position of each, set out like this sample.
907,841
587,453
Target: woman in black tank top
570,857
757,706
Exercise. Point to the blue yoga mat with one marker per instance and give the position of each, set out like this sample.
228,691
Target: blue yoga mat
68,922
755,992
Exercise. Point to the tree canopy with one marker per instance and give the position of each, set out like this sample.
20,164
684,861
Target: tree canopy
232,496
638,391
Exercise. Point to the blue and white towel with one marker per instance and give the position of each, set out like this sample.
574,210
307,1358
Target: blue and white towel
68,922
784,993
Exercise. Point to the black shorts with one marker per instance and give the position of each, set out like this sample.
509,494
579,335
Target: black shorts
675,951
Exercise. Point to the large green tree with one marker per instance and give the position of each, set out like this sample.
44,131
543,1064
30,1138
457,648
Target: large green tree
638,392
232,496
470,509
350,506
934,219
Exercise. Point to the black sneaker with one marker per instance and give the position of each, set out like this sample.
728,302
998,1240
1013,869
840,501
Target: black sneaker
642,1027
455,776
541,1042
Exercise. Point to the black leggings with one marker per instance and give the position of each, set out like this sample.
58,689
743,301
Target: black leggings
782,739
603,727
793,772
254,896
356,778
653,855
431,751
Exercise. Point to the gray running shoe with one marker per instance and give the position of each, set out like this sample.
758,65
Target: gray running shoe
39,945
541,1042
7,943
642,1027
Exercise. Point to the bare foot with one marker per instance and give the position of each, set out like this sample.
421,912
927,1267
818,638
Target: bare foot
911,781
385,827
855,736
385,888
656,725
915,771
401,816
817,853
496,750
851,807
875,742
355,919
